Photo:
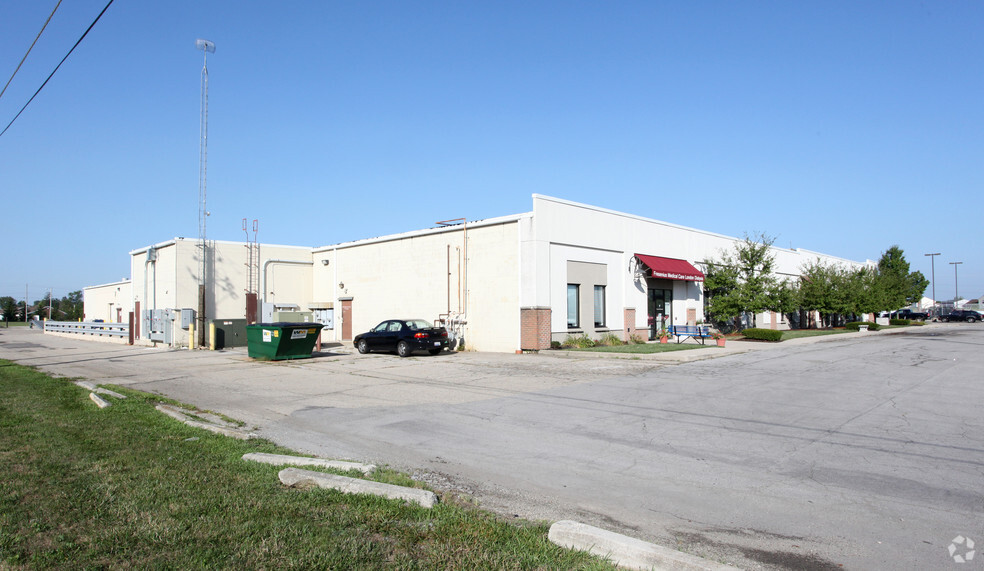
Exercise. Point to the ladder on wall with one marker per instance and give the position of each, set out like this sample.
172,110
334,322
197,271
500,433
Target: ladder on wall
252,271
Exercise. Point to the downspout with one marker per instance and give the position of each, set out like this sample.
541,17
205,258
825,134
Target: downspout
151,259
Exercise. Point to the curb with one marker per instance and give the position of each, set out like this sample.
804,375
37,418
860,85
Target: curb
293,477
100,402
181,416
93,388
626,551
283,460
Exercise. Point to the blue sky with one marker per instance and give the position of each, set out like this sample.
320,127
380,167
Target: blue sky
840,127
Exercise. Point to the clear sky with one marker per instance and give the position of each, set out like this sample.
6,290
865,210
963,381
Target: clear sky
840,127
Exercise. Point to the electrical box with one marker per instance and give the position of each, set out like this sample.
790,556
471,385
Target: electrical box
293,317
325,317
187,318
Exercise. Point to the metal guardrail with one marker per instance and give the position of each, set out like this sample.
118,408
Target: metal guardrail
88,328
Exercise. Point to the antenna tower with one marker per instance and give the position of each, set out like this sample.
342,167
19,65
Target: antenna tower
206,47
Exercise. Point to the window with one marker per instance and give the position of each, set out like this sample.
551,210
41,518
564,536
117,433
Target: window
599,306
572,304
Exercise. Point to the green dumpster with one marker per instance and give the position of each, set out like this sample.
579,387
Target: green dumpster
276,341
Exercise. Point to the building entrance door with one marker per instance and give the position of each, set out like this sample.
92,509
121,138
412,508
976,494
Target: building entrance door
660,310
346,320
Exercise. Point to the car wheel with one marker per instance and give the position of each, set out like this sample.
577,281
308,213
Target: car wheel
403,349
971,320
433,351
363,346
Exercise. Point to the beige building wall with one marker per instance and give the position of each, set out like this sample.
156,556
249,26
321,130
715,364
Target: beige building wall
425,274
172,280
110,302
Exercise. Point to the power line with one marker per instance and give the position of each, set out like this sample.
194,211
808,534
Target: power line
56,67
30,48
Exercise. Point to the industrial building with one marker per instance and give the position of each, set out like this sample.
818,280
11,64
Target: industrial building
501,284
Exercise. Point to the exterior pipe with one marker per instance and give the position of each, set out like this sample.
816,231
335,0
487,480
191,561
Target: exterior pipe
267,263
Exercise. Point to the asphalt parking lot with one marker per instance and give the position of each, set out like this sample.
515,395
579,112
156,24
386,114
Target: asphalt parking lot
857,451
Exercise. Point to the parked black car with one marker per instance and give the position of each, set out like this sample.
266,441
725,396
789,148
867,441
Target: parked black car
967,315
403,336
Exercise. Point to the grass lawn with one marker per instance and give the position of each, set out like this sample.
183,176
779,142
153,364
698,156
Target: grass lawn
644,348
85,488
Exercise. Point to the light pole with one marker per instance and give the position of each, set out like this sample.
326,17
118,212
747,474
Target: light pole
956,284
932,262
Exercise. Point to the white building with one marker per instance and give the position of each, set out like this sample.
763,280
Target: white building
501,284
110,302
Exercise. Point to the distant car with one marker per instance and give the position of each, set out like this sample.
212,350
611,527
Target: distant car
967,315
403,336
909,314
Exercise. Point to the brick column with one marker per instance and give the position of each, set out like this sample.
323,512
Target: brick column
535,328
628,321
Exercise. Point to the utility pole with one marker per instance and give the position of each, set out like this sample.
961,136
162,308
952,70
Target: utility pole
956,284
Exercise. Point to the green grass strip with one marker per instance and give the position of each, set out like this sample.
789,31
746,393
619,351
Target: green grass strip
128,487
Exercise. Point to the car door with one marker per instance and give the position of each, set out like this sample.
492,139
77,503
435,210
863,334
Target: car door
392,335
376,338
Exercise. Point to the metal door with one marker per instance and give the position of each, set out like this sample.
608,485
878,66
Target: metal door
347,320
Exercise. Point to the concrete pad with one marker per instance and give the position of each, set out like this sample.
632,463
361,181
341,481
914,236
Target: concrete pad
284,460
627,552
98,400
295,476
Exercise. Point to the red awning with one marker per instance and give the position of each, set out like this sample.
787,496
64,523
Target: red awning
671,268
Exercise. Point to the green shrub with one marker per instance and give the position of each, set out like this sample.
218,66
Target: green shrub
582,341
899,322
555,344
762,334
853,326
610,340
635,339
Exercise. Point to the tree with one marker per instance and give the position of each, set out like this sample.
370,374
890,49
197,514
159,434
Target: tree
742,281
898,286
817,289
68,308
8,307
917,284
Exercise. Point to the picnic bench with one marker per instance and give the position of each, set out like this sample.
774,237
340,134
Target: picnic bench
696,332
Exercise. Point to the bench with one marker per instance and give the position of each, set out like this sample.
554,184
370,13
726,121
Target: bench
696,332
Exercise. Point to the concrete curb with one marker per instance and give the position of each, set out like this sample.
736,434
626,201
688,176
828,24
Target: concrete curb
283,460
177,414
100,402
626,551
295,476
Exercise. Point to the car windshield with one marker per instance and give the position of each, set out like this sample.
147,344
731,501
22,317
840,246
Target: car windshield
414,324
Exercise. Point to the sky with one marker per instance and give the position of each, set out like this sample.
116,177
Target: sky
839,127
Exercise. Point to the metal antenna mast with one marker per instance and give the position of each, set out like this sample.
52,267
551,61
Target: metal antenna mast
206,47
